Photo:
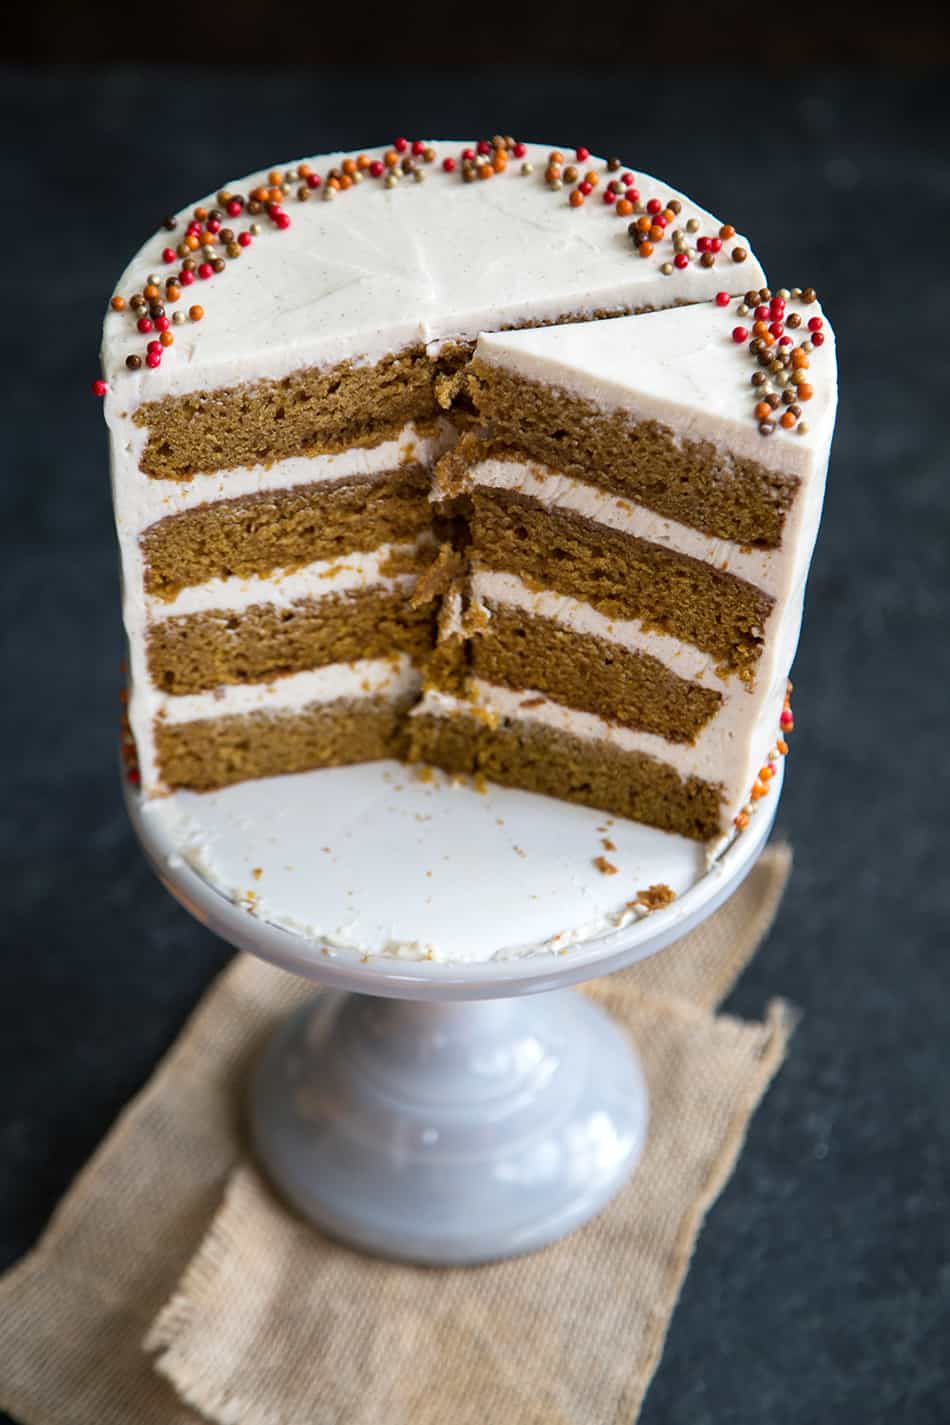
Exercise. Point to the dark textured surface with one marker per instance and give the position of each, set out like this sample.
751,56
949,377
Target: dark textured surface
821,1286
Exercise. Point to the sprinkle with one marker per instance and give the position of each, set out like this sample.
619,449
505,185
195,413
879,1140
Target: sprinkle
722,299
582,154
526,168
99,388
739,254
133,362
681,260
144,324
178,318
196,313
118,304
153,359
740,334
448,165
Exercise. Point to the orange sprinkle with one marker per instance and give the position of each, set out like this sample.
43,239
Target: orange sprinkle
727,231
644,225
349,166
804,392
167,339
362,162
304,170
766,773
485,170
390,158
657,234
592,178
150,291
500,161
555,156
172,292
799,360
576,199
118,304
259,194
274,176
788,420
551,172
346,181
624,208
761,328
191,241
763,411
275,194
334,183
758,792
742,820
201,214
196,313
781,747
669,215
646,249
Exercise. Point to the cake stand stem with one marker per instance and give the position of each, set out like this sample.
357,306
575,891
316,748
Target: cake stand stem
448,1132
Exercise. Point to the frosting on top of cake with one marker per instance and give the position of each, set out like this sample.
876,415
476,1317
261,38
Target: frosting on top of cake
691,368
381,268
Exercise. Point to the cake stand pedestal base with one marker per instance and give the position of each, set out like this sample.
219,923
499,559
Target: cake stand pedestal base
446,1133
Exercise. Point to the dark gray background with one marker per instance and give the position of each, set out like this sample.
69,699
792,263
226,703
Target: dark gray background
821,1285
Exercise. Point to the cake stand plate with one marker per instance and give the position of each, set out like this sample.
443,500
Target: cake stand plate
445,1099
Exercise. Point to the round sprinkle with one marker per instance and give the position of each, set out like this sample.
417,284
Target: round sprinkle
681,260
153,359
809,295
99,388
144,324
739,254
118,304
740,334
134,363
667,269
722,299
178,318
693,225
527,169
196,313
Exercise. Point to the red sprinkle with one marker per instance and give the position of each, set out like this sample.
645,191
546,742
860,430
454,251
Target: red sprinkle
609,197
162,324
99,388
633,194
777,308
233,207
681,260
186,277
418,148
168,254
626,178
722,299
585,188
204,271
314,180
715,244
214,225
282,220
154,346
655,206
144,324
817,339
468,153
815,324
582,154
154,358
519,150
761,314
740,334
776,329
400,145
449,165
785,341
377,168
245,239
484,146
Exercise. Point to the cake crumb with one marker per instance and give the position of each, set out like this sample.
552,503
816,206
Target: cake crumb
605,867
520,852
531,703
480,783
425,773
607,844
653,898
257,872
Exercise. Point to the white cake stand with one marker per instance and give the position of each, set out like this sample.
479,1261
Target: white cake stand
437,1107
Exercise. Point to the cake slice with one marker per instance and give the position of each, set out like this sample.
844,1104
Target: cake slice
643,500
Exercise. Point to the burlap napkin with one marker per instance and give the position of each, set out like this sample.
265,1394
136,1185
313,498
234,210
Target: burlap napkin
170,1281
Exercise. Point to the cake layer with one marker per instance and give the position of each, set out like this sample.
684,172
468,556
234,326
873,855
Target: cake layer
692,481
591,673
621,576
347,712
308,413
545,759
217,751
190,653
279,529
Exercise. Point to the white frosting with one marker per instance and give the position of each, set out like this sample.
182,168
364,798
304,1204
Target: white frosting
680,658
563,492
380,269
681,368
286,587
366,678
